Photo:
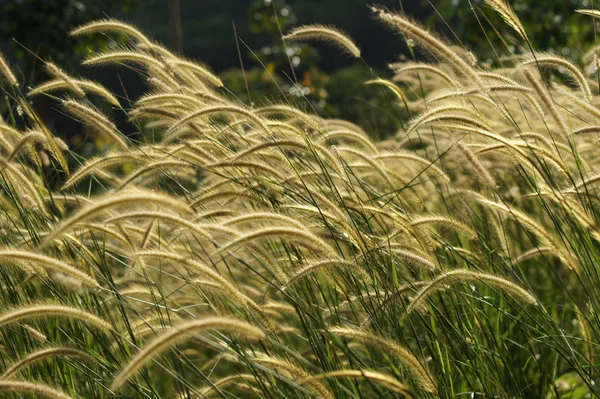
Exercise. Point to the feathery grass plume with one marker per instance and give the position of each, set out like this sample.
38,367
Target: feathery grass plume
157,215
481,170
48,263
410,156
326,34
411,257
464,276
447,221
368,159
95,120
427,40
503,8
178,333
111,201
390,85
586,130
402,68
534,252
261,167
299,236
45,353
326,264
529,223
350,135
414,366
430,113
266,217
586,182
225,382
199,70
296,372
25,387
220,109
60,74
110,25
386,380
25,139
85,85
115,57
154,167
96,163
52,310
5,70
457,119
162,98
548,102
214,275
23,183
562,64
35,334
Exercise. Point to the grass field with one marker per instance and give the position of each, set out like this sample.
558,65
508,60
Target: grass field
233,251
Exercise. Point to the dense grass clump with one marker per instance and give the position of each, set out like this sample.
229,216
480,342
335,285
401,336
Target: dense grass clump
268,252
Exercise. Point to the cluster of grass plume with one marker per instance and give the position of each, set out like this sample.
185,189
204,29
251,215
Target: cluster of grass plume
266,251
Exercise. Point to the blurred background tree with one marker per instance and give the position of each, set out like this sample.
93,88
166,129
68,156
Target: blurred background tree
42,27
227,34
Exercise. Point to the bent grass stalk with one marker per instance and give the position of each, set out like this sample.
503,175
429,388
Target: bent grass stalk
177,334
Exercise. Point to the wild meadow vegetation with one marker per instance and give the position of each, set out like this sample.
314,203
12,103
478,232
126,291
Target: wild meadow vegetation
233,250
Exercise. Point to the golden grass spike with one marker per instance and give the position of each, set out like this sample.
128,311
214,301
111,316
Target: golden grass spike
110,201
221,109
414,366
350,135
392,86
591,13
586,130
211,273
326,264
302,237
48,263
42,354
386,380
52,310
527,221
85,85
464,275
5,70
35,334
202,71
297,373
99,162
114,57
448,221
177,334
548,102
264,217
224,382
60,74
32,388
508,14
562,64
327,34
96,120
110,25
401,68
154,167
157,215
481,170
427,40
26,138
